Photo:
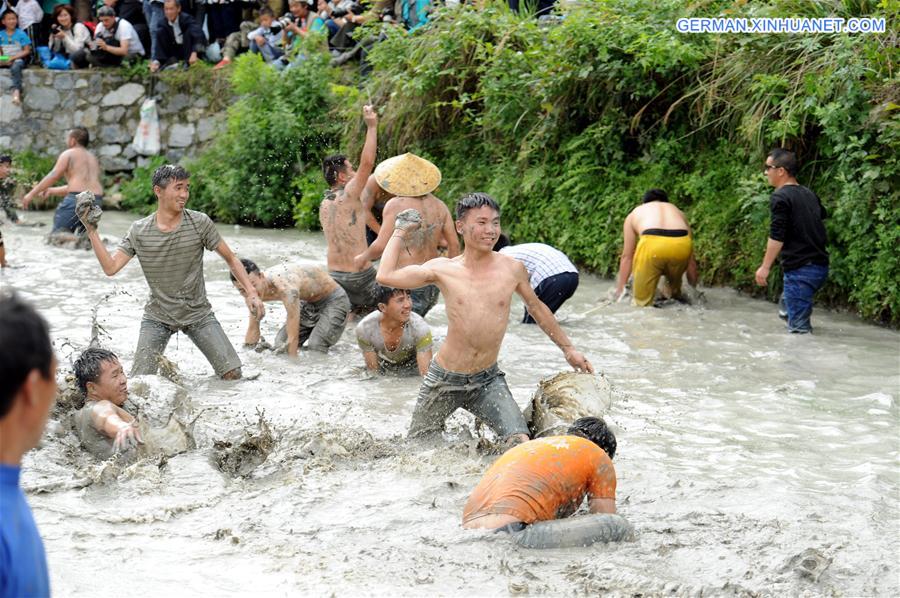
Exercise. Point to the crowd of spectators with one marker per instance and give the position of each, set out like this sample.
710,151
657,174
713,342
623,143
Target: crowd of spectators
74,34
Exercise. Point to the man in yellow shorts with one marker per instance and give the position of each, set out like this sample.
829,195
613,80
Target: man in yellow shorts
665,249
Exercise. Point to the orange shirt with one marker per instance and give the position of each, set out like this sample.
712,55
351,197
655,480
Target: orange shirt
543,479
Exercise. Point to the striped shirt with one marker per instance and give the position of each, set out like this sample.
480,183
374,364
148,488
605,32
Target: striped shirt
173,266
541,261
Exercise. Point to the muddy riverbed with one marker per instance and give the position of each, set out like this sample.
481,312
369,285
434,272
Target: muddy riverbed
750,461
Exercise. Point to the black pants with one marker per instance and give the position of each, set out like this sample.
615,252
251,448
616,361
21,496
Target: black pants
554,291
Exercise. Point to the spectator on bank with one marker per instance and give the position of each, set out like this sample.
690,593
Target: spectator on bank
68,37
133,12
267,39
297,21
15,50
30,16
154,16
236,43
223,17
115,40
43,29
179,39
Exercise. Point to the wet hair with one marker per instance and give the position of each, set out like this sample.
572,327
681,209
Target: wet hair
786,159
9,11
502,241
595,430
332,166
265,11
66,8
655,195
475,200
5,159
385,293
80,135
167,173
88,365
249,265
24,346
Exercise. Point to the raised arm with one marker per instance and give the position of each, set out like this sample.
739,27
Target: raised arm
367,198
547,321
409,277
292,325
254,304
625,263
59,169
111,264
367,159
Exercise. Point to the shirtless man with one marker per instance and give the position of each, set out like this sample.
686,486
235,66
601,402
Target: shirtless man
477,287
665,249
422,244
82,173
102,425
343,218
316,305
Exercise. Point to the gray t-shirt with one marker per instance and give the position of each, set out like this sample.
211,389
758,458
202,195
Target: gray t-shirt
416,338
95,442
173,266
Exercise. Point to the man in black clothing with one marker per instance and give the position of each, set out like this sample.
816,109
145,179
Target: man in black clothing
179,38
798,234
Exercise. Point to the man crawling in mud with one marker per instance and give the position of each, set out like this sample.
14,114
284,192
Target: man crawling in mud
316,305
102,425
543,480
477,288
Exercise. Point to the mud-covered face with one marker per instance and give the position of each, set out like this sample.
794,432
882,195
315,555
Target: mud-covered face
258,282
175,195
5,168
480,227
398,307
111,385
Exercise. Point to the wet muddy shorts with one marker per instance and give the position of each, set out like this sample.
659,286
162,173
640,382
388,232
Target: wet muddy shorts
361,288
660,252
483,394
424,298
322,322
206,334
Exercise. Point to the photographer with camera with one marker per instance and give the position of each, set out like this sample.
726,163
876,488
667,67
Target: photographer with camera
68,37
114,40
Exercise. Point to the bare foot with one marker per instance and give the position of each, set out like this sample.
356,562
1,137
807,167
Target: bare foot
16,97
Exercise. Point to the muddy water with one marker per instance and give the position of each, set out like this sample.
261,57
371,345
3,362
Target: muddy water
746,455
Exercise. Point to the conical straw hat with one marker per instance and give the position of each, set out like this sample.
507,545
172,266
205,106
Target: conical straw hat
408,175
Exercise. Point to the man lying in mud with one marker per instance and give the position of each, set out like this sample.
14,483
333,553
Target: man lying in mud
169,245
477,288
316,305
102,425
535,484
394,340
665,249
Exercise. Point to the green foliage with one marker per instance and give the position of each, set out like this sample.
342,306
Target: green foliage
259,171
29,168
137,192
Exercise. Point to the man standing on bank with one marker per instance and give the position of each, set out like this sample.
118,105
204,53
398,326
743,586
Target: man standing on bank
412,179
797,232
343,219
477,287
169,245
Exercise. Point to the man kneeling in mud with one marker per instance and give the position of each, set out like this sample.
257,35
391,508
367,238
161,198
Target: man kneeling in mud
546,479
102,425
316,305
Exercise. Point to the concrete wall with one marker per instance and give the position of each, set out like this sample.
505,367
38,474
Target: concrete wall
109,106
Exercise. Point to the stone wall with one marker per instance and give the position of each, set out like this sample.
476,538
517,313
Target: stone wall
109,106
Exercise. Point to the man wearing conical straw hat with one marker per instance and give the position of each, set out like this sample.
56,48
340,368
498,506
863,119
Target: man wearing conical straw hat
412,179
478,287
343,219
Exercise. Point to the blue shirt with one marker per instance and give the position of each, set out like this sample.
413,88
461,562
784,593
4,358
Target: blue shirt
23,564
13,44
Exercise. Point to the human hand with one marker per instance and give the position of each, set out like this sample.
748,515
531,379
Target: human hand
408,220
27,199
370,117
101,44
127,436
578,361
762,276
256,307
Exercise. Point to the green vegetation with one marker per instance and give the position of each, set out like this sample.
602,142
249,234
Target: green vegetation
568,124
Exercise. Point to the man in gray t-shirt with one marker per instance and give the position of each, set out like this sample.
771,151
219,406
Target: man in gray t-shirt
169,245
394,339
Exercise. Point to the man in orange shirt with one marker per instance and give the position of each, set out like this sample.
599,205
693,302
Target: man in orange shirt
541,481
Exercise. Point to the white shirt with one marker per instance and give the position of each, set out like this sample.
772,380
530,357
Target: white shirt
541,261
124,32
30,12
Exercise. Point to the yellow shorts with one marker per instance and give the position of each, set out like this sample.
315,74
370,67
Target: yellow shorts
657,256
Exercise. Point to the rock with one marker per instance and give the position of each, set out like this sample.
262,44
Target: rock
181,135
114,134
41,99
126,95
9,112
176,103
207,128
113,115
80,84
5,141
64,81
87,117
110,150
128,152
115,164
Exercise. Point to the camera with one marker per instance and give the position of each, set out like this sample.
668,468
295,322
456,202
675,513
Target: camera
287,20
54,29
355,8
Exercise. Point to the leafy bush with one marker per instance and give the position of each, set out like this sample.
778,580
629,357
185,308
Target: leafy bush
137,191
